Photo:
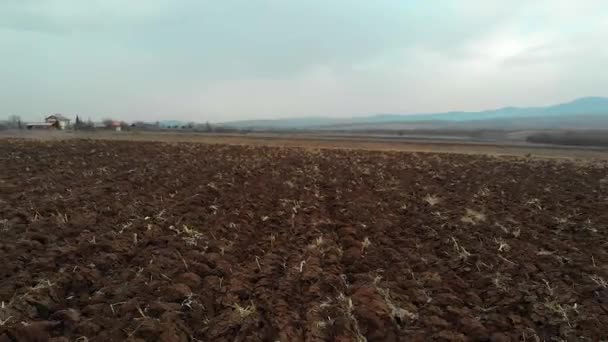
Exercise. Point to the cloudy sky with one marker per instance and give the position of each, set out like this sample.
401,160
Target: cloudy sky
243,59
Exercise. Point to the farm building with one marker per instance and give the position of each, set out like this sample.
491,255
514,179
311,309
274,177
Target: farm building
39,125
58,121
109,125
115,126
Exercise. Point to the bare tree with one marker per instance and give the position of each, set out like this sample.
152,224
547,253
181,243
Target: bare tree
14,121
107,123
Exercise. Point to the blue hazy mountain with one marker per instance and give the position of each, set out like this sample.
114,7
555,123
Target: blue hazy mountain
588,112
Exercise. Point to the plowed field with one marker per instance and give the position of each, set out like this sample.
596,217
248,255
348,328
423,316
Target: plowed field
143,241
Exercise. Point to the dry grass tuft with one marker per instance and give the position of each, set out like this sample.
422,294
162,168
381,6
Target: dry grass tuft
4,321
483,192
534,202
316,243
61,218
561,310
398,314
473,217
432,200
190,236
514,231
41,285
499,281
242,313
461,251
599,281
347,307
503,246
365,244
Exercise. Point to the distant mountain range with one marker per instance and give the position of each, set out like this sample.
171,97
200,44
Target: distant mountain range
583,113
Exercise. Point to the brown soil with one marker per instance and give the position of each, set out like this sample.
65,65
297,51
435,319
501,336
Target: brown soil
304,140
142,241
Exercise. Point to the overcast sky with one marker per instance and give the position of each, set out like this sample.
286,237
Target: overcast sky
242,59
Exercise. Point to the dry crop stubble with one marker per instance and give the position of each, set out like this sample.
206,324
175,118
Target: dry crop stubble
212,242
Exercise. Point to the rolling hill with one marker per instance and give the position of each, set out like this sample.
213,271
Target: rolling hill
583,113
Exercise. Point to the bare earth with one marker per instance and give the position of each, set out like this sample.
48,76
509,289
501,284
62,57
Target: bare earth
148,241
320,141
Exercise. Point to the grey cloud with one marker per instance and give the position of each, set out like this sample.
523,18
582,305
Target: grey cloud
200,59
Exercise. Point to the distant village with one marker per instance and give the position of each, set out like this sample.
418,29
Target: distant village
62,122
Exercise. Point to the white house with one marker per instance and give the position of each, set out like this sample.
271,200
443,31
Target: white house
58,121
